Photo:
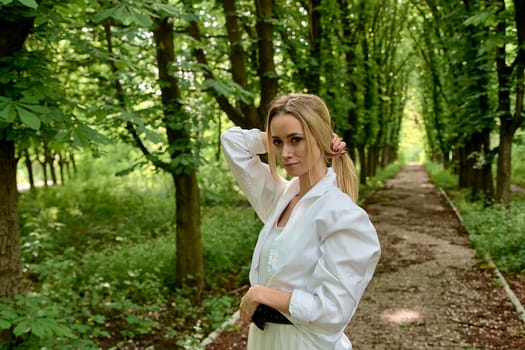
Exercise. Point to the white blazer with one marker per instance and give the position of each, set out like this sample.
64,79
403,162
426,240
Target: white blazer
325,256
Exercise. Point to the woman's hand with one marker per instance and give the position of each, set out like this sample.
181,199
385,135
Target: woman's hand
337,146
258,294
248,305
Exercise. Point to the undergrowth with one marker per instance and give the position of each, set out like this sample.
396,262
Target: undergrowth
100,267
492,230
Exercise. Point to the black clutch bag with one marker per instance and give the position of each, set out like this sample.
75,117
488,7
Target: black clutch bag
264,314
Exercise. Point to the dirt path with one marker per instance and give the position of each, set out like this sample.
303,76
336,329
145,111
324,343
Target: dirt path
429,291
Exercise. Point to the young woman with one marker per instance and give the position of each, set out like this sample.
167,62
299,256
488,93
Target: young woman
318,249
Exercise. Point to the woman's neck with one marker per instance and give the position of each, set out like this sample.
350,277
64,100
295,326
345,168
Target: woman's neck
308,180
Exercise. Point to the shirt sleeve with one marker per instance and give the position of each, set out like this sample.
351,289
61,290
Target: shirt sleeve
241,149
350,251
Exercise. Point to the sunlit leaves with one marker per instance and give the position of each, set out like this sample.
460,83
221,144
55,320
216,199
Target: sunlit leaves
29,3
29,113
28,118
125,14
83,135
7,111
485,18
169,10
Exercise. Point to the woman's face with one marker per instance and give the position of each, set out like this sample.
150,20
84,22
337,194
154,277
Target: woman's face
289,145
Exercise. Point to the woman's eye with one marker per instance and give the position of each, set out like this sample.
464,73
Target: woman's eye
276,142
296,139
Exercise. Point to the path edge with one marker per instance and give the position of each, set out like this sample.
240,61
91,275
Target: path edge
216,333
488,259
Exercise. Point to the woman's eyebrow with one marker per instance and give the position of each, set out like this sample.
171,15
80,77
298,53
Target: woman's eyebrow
294,134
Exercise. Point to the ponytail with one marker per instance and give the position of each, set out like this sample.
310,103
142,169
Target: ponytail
346,173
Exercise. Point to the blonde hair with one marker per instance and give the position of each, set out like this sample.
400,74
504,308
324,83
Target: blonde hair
313,114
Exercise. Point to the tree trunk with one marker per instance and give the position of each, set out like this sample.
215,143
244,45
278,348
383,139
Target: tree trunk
190,265
43,164
266,72
503,176
10,255
482,180
13,33
190,270
61,165
29,166
509,122
238,61
313,81
373,156
462,166
73,163
50,159
362,165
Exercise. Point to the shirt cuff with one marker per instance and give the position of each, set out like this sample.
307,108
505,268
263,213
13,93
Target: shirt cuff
255,142
301,305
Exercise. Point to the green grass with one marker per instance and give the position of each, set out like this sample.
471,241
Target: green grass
492,230
497,231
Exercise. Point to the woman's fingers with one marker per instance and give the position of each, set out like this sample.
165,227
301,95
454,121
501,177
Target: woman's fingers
337,146
247,307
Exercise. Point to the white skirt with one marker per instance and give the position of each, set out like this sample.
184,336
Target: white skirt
278,337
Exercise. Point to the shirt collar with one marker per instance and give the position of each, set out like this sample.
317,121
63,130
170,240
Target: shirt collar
320,188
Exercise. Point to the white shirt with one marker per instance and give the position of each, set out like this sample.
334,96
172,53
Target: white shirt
268,255
326,254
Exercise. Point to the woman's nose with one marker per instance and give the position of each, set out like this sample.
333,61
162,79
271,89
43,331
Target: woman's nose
287,151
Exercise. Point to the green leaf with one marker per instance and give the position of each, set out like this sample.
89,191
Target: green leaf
28,118
151,135
126,171
40,327
30,99
83,135
105,13
63,331
481,18
22,328
4,100
219,87
8,313
62,136
29,3
121,15
100,319
35,108
141,19
170,10
8,113
5,2
4,324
